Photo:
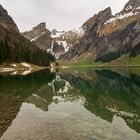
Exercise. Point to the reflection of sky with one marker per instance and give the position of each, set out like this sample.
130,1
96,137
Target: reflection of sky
66,121
79,113
59,14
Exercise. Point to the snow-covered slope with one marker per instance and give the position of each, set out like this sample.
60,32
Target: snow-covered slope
129,14
130,10
55,42
121,16
64,40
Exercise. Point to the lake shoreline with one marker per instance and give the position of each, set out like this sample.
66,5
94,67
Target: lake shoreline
98,66
22,68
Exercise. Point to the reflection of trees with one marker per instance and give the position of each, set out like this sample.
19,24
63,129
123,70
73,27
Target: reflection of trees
24,86
14,91
9,108
106,94
110,94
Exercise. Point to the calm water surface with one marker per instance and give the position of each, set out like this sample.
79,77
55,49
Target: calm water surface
83,104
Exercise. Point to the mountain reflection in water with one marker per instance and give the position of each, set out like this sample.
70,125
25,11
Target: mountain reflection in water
84,104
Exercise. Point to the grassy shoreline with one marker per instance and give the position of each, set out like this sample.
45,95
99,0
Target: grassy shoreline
24,68
97,66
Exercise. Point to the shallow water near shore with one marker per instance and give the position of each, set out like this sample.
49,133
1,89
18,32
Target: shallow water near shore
72,104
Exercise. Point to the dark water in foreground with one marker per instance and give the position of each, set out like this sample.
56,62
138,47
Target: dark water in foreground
83,104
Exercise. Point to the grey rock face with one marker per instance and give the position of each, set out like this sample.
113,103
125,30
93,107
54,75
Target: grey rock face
118,43
133,3
36,31
40,35
130,6
6,21
91,26
97,20
104,35
54,31
109,40
58,49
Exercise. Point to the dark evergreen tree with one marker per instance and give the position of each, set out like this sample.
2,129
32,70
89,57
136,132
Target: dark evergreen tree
20,51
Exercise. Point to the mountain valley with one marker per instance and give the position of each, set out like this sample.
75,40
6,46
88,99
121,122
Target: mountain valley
103,38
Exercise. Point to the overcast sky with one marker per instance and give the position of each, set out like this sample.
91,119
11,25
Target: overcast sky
58,14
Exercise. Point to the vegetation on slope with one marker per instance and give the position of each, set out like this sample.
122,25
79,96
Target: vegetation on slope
15,48
87,59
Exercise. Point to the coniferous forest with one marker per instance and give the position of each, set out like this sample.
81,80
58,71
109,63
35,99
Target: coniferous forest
15,48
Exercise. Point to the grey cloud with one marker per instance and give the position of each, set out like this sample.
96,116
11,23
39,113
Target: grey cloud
59,14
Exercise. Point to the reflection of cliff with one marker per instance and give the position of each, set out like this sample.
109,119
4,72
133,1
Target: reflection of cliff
14,91
49,93
42,98
122,96
24,86
104,93
110,94
9,108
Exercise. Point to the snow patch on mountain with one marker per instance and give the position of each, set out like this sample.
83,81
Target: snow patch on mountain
79,32
57,34
129,7
65,39
138,8
121,16
50,50
64,44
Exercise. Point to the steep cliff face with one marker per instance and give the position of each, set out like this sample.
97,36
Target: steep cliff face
118,43
6,21
63,41
16,48
97,81
108,36
90,34
103,37
98,20
129,14
120,34
56,42
40,35
8,112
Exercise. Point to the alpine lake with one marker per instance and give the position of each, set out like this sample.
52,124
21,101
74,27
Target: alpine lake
71,104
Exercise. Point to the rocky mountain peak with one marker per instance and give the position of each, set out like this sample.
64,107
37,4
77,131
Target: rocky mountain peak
105,14
37,32
40,35
129,13
54,32
41,26
97,20
100,36
131,6
133,3
6,21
